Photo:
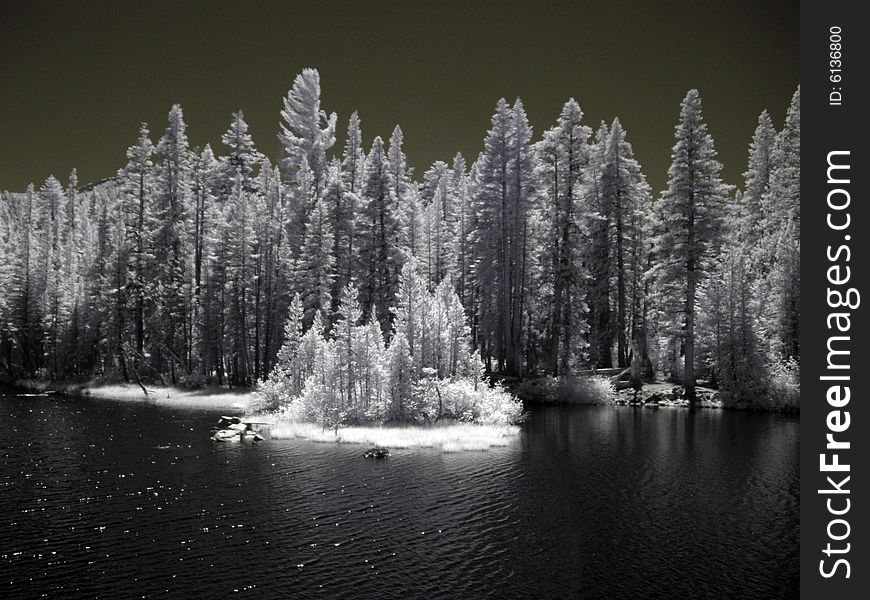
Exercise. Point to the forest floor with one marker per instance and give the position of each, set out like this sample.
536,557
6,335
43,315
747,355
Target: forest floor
207,398
599,389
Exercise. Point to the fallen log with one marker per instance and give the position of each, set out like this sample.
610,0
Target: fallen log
619,376
608,372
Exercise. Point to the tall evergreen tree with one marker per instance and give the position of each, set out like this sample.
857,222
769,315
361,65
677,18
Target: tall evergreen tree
353,157
624,191
503,197
243,157
307,132
438,246
462,226
52,198
756,191
402,194
598,219
379,255
315,270
690,226
563,157
272,256
342,206
137,184
782,222
205,190
170,241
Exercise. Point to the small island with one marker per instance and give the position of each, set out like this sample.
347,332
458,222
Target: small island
423,385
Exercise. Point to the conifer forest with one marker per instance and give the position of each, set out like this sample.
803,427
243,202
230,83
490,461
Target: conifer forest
344,273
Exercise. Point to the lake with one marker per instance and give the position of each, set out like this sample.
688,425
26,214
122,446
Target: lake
105,499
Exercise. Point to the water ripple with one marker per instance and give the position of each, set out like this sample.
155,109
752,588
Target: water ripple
106,500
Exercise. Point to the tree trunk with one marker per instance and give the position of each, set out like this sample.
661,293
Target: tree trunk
620,277
691,275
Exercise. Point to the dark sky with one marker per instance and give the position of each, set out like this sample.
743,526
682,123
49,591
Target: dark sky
76,78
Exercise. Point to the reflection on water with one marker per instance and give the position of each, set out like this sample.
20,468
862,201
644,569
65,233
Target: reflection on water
116,500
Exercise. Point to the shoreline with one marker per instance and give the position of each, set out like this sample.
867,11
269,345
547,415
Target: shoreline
449,438
602,391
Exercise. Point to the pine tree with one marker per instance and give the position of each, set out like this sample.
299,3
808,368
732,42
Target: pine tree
408,306
452,339
353,158
624,190
310,350
371,368
301,197
137,182
563,156
31,277
399,370
238,250
726,303
503,198
101,292
19,327
272,244
342,207
757,180
783,199
115,299
52,198
170,240
598,219
785,280
306,130
347,334
293,331
243,156
284,380
402,190
438,224
7,284
315,269
782,224
689,227
462,226
71,240
205,187
379,256
237,179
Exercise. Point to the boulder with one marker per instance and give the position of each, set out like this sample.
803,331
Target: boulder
377,453
225,421
227,435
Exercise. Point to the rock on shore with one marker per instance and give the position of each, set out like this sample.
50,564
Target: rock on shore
667,395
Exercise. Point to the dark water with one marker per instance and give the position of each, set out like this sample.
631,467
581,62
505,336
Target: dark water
102,499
